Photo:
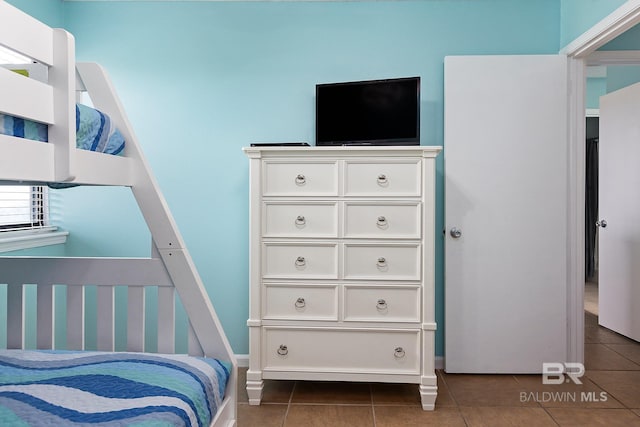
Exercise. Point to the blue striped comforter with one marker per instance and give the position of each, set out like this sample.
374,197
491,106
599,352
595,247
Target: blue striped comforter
42,388
94,130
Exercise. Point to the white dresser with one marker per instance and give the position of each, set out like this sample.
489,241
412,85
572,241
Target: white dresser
342,266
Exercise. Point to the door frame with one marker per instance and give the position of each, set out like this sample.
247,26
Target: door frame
578,53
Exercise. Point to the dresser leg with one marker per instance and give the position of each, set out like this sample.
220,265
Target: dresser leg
254,390
428,396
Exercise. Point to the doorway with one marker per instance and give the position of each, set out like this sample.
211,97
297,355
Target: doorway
603,82
582,52
591,214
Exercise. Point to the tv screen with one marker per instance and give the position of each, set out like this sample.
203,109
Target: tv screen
374,112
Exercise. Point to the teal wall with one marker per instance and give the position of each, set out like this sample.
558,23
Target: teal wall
48,11
200,80
596,87
620,76
577,16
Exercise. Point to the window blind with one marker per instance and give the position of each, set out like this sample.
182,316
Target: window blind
23,207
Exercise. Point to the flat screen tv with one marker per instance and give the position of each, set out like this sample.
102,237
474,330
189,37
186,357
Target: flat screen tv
373,112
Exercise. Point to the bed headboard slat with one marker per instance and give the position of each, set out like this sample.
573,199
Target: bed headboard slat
30,37
135,319
106,313
45,320
15,319
75,317
167,321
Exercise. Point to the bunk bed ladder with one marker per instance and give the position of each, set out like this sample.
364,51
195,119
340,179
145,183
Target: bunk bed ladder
168,242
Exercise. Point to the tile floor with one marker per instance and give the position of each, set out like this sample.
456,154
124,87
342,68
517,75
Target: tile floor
612,365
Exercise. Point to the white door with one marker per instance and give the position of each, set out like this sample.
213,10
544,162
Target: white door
619,207
506,193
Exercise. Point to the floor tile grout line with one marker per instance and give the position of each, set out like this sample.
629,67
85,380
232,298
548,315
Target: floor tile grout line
373,407
464,419
453,397
359,405
609,393
515,377
459,409
610,370
286,413
620,354
444,382
546,410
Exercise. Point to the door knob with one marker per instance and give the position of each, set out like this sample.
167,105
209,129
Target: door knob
455,232
602,223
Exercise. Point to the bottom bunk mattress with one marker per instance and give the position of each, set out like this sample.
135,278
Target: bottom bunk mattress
51,388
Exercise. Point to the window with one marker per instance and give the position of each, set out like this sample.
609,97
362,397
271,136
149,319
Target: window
23,207
24,218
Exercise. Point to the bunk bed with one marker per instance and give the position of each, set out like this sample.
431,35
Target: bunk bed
70,382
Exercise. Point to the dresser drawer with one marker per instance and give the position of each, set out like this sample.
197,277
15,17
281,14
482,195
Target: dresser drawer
382,220
382,262
290,302
382,303
312,261
383,178
341,350
300,220
297,178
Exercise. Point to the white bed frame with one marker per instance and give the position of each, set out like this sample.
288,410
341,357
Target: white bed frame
170,268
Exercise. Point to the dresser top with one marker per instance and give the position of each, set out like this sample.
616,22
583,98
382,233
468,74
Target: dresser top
344,151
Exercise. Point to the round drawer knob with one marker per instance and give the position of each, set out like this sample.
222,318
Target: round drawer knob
381,305
300,303
283,350
382,179
301,179
382,262
300,220
399,353
382,221
301,261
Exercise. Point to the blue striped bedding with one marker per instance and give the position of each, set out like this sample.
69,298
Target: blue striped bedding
53,388
94,130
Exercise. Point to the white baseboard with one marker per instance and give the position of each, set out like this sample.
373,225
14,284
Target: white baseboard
243,361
